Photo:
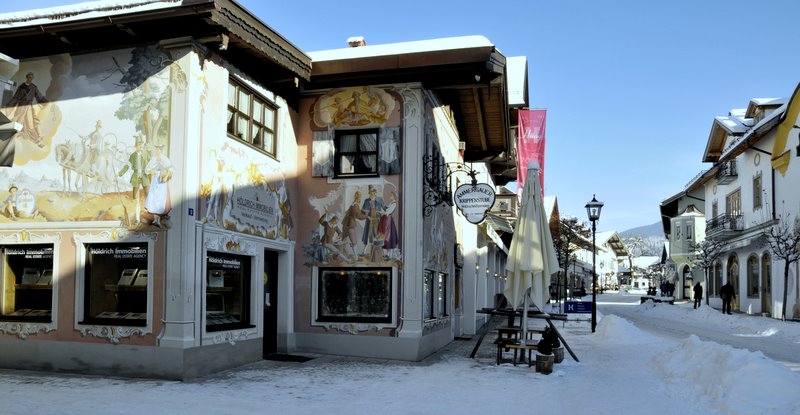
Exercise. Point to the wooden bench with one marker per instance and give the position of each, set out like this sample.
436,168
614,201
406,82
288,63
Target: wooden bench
519,350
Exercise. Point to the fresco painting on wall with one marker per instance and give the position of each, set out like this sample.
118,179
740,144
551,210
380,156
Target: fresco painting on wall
353,107
357,226
94,144
245,195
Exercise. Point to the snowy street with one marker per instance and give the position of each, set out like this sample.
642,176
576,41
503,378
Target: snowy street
623,369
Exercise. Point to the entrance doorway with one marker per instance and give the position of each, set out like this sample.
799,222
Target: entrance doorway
688,282
766,285
270,302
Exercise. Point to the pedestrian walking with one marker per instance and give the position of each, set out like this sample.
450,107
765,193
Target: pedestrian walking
728,294
698,294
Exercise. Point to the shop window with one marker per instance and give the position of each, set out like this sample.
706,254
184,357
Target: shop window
717,280
227,291
356,153
251,118
429,311
27,282
441,293
436,295
115,284
359,295
752,276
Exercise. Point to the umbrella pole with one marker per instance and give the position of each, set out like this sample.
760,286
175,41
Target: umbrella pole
524,322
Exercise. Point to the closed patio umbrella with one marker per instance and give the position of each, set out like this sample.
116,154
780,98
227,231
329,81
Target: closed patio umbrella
531,257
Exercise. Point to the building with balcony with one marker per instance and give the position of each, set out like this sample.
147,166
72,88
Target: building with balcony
749,188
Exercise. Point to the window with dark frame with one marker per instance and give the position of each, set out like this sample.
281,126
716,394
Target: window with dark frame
227,304
757,190
441,306
429,305
251,118
357,295
752,276
115,284
27,283
356,153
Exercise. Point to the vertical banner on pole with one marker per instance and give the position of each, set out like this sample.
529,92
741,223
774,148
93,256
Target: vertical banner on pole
530,144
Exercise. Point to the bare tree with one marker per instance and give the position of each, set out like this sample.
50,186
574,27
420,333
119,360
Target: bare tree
565,245
706,253
783,238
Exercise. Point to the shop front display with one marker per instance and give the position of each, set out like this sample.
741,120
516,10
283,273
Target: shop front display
27,282
227,292
116,284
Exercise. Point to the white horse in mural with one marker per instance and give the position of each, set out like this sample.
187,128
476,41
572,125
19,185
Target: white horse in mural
94,166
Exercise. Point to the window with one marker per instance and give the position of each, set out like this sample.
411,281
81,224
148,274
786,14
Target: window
115,285
766,270
757,192
227,291
733,203
436,295
360,295
717,280
429,309
714,209
27,282
441,305
752,276
689,232
251,119
356,153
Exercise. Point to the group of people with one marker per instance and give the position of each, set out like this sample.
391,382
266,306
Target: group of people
667,289
727,294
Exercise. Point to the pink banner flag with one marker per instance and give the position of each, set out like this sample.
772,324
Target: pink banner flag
530,144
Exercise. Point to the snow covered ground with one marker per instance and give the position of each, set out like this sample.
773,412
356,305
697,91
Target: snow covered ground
622,370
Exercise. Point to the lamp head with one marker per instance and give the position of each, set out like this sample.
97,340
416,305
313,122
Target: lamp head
593,209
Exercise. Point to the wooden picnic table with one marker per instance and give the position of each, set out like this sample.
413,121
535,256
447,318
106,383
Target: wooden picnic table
512,315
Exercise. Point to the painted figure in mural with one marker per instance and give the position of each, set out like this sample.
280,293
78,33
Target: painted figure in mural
10,204
22,109
331,235
349,222
93,144
159,171
372,208
387,230
218,199
137,161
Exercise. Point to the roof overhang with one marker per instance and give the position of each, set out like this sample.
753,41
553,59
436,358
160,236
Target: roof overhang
222,26
467,73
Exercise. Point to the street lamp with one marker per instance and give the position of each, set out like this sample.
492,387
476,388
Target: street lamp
593,210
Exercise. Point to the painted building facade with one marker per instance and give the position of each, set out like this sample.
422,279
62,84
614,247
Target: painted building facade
184,195
148,202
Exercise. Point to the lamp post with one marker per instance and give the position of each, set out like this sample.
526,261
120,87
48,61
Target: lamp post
593,210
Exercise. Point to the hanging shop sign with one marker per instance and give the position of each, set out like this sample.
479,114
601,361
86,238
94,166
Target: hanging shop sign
474,200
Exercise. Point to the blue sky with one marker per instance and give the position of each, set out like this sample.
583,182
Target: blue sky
631,87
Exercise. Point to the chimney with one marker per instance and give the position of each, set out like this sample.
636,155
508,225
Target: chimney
356,41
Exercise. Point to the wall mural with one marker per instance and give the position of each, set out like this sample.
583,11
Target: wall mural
353,107
243,194
95,139
243,189
357,225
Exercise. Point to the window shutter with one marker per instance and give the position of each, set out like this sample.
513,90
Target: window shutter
322,153
389,151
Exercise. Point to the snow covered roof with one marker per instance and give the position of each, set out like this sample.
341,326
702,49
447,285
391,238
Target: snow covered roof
517,74
401,48
81,11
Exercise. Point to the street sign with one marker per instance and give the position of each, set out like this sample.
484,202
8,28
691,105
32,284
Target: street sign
577,307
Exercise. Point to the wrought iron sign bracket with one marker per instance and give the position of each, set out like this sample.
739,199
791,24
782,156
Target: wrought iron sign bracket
436,181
